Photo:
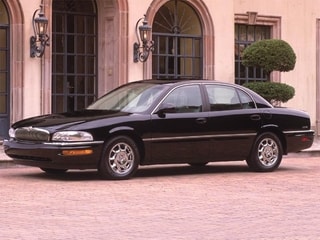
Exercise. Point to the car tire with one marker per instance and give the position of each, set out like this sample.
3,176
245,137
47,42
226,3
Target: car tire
120,159
266,154
54,171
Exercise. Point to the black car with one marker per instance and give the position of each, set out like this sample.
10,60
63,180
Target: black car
162,122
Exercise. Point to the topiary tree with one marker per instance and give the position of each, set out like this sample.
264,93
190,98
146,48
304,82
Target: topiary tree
273,92
271,55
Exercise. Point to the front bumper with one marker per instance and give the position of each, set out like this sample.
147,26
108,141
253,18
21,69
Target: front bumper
50,155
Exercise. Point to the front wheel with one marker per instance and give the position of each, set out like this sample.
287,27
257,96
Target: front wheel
266,154
120,159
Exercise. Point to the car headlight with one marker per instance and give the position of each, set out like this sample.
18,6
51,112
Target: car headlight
12,133
72,136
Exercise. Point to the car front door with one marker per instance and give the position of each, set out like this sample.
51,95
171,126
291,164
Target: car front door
179,128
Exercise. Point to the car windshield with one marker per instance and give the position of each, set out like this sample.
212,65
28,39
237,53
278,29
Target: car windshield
135,98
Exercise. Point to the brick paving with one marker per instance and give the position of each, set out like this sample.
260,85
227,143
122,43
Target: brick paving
219,201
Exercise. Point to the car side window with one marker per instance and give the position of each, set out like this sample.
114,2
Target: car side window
246,100
227,98
185,99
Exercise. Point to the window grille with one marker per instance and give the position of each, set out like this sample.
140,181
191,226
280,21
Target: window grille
244,36
178,42
74,55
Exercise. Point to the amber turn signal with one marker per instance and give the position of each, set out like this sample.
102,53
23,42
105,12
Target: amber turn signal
75,152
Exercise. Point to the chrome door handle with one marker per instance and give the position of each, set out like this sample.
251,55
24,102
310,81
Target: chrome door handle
201,120
255,117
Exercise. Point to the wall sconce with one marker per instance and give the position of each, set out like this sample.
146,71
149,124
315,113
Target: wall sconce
39,41
144,46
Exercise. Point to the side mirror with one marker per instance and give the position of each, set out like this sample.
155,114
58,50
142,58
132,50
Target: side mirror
165,108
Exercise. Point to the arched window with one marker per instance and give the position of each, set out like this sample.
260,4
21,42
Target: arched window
4,71
74,54
177,34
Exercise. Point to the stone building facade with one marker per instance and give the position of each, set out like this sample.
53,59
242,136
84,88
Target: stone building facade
91,46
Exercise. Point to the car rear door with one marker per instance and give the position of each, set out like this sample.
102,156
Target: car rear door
180,134
233,121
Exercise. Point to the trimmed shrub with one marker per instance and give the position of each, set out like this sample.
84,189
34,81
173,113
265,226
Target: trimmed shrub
273,92
271,55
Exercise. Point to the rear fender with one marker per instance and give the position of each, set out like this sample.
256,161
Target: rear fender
275,129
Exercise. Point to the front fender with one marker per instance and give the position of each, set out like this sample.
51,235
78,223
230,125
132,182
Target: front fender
121,128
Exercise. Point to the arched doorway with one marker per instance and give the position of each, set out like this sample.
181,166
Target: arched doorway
74,54
177,33
4,71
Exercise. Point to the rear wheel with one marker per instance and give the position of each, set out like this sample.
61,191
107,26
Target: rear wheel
266,154
120,159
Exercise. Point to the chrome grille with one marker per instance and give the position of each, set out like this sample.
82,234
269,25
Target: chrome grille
32,134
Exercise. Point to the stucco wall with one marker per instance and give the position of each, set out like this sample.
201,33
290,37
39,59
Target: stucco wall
32,66
223,19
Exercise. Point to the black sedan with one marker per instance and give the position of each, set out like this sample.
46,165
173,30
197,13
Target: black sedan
162,122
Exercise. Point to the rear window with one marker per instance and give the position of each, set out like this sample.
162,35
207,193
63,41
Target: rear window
223,98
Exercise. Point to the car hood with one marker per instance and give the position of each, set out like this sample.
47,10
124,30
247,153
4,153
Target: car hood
68,119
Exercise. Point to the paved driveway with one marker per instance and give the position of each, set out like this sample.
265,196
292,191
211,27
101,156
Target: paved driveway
220,201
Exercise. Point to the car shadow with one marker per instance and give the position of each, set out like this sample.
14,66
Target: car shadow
150,171
178,170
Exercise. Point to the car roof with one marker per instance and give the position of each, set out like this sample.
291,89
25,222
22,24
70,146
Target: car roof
187,81
177,82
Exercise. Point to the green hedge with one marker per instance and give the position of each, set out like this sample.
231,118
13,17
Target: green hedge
271,55
272,91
